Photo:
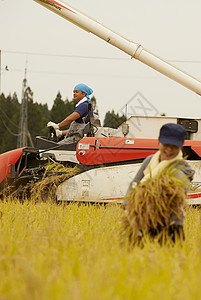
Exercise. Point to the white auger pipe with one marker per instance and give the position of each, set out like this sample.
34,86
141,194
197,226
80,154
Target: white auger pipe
133,49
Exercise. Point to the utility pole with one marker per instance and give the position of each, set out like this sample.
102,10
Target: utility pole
22,140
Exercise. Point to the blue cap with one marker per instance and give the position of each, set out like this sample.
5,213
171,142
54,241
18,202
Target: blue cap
172,134
84,88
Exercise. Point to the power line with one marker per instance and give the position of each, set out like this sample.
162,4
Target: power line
63,55
15,134
88,57
83,74
186,61
8,117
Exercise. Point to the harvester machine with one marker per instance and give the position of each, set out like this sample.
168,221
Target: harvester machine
107,165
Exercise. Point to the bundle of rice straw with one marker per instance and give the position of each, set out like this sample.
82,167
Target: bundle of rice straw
150,205
45,189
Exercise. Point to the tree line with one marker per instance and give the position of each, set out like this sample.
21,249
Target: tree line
38,116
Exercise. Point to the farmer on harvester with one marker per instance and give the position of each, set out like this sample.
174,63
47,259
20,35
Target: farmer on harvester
75,132
160,202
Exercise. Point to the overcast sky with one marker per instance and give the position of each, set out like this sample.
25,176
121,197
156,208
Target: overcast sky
58,55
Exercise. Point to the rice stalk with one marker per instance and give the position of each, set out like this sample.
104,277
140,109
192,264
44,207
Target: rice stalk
45,189
150,206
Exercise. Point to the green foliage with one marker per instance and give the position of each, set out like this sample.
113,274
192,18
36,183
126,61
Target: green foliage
61,109
9,119
113,120
36,120
38,116
9,116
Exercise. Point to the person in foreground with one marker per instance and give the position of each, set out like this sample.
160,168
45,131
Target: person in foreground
155,198
81,95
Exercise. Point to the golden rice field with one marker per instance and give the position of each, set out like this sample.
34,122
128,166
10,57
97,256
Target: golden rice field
50,251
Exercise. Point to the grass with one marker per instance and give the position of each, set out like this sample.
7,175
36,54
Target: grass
50,251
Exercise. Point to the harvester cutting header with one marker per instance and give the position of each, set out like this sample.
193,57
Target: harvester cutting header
133,49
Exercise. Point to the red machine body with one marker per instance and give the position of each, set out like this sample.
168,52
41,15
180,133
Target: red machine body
94,151
20,166
6,160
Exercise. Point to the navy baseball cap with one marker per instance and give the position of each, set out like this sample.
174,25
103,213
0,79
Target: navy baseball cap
172,134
